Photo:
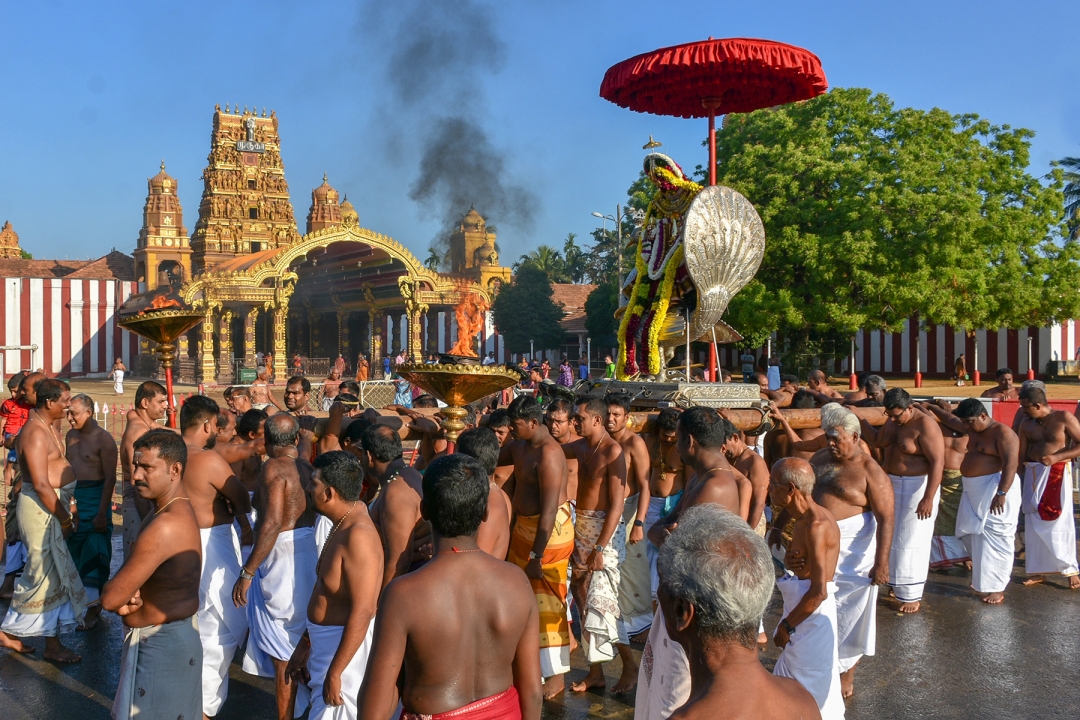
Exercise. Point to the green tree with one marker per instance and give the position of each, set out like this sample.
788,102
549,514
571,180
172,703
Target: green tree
25,255
433,259
1071,178
600,309
524,311
574,260
873,214
546,259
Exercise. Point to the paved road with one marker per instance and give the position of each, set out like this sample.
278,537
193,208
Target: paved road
957,659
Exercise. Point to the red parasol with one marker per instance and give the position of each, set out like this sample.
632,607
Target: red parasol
701,79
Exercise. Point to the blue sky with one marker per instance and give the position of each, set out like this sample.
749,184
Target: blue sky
94,95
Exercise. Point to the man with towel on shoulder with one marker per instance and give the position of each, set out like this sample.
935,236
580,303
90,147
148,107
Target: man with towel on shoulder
157,591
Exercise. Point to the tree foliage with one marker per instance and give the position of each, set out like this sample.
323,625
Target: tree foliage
525,311
600,309
1071,177
873,214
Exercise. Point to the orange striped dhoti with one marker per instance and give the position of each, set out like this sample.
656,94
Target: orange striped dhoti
551,590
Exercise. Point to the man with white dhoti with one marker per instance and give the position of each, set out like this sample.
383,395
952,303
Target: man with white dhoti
990,506
1049,440
807,631
117,374
218,499
49,597
667,476
858,494
914,460
280,572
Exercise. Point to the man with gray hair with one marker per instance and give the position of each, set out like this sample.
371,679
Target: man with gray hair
871,392
716,578
808,631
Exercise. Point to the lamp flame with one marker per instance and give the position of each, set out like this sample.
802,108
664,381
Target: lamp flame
471,314
160,302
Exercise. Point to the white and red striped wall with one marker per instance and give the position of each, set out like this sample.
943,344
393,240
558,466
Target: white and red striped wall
71,320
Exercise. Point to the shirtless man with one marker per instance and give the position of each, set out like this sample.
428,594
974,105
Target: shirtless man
465,650
858,494
218,499
432,440
151,402
817,382
1049,439
807,631
543,536
562,424
753,467
499,422
1004,390
280,572
667,478
333,654
494,534
49,596
599,544
782,397
297,391
729,679
914,460
871,392
249,428
157,591
779,442
330,388
396,509
239,401
947,549
92,452
990,506
261,395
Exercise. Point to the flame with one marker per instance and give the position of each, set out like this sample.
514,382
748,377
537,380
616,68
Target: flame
471,314
160,302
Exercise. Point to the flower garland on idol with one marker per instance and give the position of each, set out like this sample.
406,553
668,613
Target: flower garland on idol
659,257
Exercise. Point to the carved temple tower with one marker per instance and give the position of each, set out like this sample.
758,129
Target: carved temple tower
473,253
245,205
9,242
324,211
163,251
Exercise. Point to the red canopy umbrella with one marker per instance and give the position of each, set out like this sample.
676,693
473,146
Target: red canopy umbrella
702,78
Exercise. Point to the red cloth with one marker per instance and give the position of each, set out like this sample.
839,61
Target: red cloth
503,706
1050,502
743,73
16,414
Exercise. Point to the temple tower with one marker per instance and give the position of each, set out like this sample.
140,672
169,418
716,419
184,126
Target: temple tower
163,251
245,205
324,211
9,242
473,253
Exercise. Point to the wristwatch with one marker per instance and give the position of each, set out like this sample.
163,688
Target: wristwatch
534,556
788,626
638,523
245,575
599,549
1001,493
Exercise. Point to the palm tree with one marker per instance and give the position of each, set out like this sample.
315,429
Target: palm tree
1071,166
433,260
573,259
545,258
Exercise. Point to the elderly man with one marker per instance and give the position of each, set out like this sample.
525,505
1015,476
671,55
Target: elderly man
807,631
92,452
716,579
1049,439
817,382
871,392
1004,390
990,506
915,460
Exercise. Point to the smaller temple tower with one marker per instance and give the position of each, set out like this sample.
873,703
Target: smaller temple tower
9,242
473,253
163,251
325,211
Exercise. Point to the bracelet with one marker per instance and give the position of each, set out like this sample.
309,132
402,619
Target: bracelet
245,575
788,626
66,523
534,556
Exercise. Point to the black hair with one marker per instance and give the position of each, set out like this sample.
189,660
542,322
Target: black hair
382,442
355,431
49,389
668,420
227,393
861,379
526,408
619,399
897,398
789,379
969,408
197,409
249,422
482,444
281,430
592,405
170,446
425,401
349,387
1002,372
500,418
705,425
16,380
223,419
1032,395
803,400
555,406
301,381
147,391
455,495
341,471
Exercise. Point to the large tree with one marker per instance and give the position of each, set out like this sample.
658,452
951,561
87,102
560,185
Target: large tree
525,311
1071,177
600,309
875,213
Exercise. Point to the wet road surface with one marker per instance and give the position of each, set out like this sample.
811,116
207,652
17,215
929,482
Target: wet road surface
959,658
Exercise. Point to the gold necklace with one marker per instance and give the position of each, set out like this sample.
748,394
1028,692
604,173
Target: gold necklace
168,504
52,434
589,459
318,563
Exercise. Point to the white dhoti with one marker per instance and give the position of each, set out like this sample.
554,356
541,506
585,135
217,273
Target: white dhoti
118,382
598,588
909,559
635,597
222,625
811,655
159,673
856,598
277,604
1049,541
663,675
324,645
989,537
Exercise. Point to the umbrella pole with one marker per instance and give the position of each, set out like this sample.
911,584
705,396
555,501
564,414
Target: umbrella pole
712,143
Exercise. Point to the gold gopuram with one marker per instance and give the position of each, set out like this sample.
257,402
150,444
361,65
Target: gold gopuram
262,285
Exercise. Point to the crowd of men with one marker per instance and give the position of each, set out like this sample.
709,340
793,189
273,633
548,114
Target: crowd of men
370,586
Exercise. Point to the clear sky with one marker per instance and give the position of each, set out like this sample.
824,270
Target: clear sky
94,95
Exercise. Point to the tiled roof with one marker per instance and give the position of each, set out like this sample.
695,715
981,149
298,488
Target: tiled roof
572,297
114,266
